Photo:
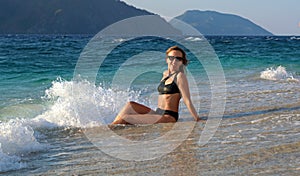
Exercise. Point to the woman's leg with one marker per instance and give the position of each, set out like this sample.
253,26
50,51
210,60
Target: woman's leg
131,108
148,119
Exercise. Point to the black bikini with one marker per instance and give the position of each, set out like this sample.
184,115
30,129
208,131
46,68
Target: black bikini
171,88
167,112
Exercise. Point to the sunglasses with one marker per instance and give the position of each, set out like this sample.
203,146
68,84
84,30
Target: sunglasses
171,58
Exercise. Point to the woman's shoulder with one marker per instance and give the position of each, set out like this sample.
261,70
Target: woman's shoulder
181,77
165,73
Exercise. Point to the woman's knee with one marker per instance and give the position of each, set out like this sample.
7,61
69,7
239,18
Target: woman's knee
130,104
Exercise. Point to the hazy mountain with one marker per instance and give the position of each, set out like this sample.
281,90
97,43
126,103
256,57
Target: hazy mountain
91,16
215,23
62,16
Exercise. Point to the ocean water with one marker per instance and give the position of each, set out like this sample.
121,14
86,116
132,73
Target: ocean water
47,117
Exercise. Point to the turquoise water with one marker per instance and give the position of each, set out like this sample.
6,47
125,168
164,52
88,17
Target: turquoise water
29,64
37,106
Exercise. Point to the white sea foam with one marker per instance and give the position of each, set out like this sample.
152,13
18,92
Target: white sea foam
72,104
120,40
8,163
16,139
278,73
295,38
81,104
193,39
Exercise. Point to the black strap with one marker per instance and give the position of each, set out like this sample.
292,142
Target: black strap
175,79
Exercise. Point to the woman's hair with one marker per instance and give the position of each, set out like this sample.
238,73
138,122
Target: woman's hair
184,61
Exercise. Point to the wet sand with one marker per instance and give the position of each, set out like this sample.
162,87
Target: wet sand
265,144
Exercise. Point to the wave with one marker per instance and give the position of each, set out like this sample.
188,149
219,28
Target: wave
82,104
294,38
277,74
119,40
8,163
193,39
16,139
70,104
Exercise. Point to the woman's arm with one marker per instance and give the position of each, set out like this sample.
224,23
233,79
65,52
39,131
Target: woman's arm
183,86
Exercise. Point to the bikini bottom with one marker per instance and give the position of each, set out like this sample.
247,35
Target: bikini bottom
167,112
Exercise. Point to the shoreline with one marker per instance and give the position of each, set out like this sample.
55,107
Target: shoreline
258,144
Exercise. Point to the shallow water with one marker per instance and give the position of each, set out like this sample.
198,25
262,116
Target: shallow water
51,124
241,146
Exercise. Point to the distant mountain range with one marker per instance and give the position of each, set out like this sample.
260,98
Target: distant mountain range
62,16
215,23
91,16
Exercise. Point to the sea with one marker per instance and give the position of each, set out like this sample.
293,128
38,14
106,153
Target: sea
56,105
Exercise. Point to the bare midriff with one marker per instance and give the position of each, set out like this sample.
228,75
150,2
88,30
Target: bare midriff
169,102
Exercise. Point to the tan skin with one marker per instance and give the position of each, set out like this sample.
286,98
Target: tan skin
135,113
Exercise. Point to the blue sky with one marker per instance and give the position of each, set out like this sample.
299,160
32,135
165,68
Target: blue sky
281,17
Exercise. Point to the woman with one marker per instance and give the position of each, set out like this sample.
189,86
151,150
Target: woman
173,86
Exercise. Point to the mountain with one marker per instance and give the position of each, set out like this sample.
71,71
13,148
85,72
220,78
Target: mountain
215,23
62,16
91,16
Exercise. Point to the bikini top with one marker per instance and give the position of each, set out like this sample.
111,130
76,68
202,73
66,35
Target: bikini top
171,88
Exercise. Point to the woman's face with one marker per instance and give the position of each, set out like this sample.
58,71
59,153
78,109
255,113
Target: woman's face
174,62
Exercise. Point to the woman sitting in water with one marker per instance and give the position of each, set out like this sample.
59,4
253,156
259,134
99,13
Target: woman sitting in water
172,87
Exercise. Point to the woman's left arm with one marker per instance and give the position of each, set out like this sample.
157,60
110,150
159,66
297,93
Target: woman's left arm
183,86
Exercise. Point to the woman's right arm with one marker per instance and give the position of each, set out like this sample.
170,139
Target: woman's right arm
183,86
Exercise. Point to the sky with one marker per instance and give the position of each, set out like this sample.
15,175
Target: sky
280,17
